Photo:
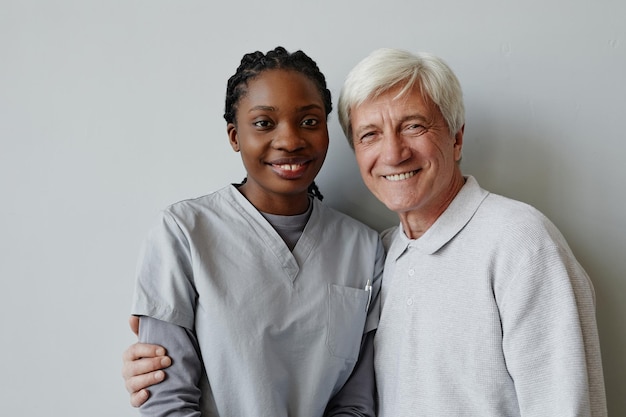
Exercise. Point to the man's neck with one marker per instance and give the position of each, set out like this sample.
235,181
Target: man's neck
417,222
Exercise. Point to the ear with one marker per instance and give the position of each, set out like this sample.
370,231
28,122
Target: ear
231,129
458,143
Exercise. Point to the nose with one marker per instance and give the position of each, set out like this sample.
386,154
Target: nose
288,138
395,150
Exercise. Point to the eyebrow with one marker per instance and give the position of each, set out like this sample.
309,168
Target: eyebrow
299,109
263,108
361,129
413,117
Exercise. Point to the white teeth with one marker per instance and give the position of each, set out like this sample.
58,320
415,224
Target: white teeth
399,177
289,167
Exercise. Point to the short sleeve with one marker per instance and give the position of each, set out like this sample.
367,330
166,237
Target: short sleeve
164,287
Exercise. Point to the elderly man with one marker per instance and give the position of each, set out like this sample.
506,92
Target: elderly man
484,309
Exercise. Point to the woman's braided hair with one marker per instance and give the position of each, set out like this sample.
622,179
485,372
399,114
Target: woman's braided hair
255,63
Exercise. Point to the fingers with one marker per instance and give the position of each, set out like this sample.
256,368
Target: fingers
136,386
142,358
138,398
142,366
141,374
143,350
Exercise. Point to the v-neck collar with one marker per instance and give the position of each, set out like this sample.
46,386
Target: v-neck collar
289,261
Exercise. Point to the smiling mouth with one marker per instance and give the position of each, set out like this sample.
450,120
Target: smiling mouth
400,177
290,170
288,167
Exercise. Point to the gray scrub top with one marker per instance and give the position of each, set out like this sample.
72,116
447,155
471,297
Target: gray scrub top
279,331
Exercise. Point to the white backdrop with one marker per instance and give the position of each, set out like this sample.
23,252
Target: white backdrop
110,110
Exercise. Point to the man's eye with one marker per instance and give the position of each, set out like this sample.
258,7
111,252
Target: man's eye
415,128
368,136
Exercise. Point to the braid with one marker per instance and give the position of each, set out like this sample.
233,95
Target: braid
315,192
255,63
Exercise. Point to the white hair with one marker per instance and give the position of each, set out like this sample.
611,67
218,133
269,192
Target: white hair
387,68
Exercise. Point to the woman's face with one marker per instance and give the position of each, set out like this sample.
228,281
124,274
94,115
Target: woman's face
282,135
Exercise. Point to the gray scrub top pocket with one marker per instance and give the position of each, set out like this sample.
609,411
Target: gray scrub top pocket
346,320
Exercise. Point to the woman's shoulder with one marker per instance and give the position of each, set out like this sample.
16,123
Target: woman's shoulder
190,208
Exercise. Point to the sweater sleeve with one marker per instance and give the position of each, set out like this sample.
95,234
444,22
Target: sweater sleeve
550,337
179,394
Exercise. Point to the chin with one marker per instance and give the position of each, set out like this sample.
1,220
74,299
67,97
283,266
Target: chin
399,207
393,206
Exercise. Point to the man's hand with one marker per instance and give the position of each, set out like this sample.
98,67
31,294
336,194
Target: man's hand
143,366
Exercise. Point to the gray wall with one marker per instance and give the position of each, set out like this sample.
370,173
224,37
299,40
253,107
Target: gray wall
110,110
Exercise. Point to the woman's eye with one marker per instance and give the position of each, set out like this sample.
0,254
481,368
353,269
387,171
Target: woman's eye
310,122
262,123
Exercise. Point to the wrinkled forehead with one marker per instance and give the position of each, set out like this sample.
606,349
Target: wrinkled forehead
399,99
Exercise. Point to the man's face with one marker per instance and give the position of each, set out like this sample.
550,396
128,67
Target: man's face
405,152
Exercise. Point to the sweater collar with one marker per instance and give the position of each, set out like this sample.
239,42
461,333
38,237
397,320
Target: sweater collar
448,225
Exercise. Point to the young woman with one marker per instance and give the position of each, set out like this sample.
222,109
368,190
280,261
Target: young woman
262,295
